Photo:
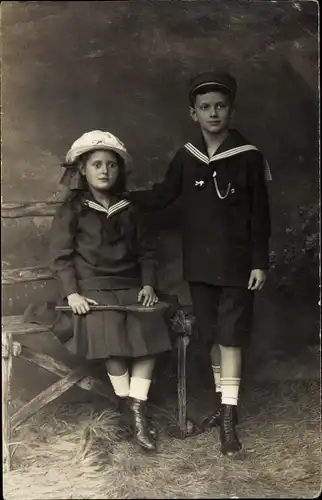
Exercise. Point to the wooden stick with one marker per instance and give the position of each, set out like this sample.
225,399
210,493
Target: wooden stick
6,396
88,383
124,308
45,397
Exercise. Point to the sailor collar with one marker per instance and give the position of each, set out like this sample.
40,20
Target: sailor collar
233,145
112,210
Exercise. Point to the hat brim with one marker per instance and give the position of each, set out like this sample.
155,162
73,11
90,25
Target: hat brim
217,86
74,154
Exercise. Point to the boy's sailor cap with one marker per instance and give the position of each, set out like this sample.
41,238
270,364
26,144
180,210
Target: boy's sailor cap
97,139
214,81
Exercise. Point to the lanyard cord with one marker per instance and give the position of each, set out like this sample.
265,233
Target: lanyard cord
222,197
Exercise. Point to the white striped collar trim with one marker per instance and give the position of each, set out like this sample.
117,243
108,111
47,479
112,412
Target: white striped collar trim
117,207
94,205
195,152
233,151
226,154
120,205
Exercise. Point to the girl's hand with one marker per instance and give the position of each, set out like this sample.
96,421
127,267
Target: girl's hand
80,304
147,294
257,279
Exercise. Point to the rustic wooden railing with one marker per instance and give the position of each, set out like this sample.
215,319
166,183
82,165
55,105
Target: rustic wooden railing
32,209
13,326
19,210
25,275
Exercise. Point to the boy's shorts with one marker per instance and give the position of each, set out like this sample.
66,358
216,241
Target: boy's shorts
223,314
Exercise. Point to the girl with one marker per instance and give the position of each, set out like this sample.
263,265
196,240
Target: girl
102,253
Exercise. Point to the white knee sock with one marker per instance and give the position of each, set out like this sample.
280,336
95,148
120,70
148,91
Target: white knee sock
216,373
120,384
139,388
229,390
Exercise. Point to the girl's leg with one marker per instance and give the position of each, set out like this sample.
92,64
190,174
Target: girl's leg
118,373
142,369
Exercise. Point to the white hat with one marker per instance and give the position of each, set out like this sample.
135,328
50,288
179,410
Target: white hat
96,139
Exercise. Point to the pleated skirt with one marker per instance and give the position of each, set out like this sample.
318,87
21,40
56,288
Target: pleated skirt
105,334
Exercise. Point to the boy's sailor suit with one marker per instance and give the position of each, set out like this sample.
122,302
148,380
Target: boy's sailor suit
225,226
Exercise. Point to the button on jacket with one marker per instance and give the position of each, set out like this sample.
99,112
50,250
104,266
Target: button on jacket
225,216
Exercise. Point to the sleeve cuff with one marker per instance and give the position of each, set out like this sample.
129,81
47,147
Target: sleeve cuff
68,286
260,261
148,275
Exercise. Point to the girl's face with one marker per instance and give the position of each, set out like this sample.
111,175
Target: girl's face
101,169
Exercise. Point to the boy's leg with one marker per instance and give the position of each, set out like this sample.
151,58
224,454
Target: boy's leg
230,374
230,382
214,418
205,305
235,321
142,370
215,357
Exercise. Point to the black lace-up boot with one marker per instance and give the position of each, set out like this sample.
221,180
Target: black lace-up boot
214,419
230,444
126,416
141,429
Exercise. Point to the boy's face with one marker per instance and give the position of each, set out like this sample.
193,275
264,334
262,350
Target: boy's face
101,169
213,111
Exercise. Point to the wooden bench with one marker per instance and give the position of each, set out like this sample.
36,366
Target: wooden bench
13,328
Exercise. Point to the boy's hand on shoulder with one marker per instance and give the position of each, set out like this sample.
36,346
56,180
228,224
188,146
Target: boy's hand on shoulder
257,279
148,296
80,304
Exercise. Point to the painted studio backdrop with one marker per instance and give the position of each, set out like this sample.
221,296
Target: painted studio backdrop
71,67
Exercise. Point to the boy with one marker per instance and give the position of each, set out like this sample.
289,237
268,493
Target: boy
225,234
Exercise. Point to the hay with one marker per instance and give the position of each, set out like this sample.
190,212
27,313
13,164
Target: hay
79,452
